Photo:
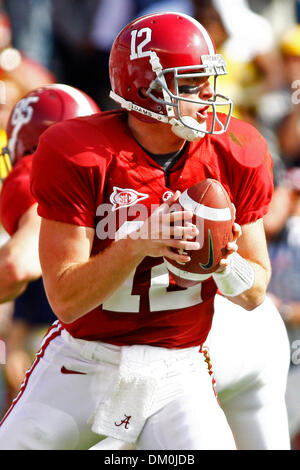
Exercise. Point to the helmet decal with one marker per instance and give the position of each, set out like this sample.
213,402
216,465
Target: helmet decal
137,50
83,101
21,114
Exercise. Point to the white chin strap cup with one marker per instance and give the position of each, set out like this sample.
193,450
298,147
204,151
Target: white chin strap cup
185,132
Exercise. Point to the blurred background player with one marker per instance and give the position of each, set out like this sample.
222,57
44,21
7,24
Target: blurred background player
20,272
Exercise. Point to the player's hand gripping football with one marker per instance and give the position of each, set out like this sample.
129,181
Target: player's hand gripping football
231,247
168,233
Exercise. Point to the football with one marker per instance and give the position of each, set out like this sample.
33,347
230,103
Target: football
214,216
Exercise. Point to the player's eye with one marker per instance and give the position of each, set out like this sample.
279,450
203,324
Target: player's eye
188,89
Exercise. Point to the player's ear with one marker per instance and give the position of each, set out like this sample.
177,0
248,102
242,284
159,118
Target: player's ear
143,93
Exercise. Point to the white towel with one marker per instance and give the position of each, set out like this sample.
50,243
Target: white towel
127,405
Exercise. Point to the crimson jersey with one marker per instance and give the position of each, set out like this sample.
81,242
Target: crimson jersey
91,172
16,197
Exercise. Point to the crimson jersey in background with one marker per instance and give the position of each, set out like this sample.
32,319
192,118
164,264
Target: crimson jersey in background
84,163
16,197
31,306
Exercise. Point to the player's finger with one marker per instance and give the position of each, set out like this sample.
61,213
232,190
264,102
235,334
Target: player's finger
187,233
184,245
237,231
223,264
165,207
173,198
232,247
180,258
177,216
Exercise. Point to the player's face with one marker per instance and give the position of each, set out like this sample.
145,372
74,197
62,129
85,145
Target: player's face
195,89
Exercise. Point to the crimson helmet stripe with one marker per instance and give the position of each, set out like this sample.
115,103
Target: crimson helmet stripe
84,104
39,109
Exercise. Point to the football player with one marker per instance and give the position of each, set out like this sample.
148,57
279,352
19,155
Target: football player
127,338
19,261
31,116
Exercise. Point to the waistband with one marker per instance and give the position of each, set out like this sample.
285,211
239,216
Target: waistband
142,353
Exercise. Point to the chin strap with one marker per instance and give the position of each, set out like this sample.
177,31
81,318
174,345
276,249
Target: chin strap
185,132
139,109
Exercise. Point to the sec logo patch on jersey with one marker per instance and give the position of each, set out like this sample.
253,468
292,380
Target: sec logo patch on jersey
214,216
125,197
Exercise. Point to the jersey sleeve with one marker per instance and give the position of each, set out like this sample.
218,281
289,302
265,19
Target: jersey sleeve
67,176
16,197
255,194
252,178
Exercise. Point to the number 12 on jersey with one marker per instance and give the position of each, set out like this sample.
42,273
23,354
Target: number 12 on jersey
154,293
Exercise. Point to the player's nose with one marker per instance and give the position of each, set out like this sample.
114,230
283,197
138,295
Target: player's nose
206,91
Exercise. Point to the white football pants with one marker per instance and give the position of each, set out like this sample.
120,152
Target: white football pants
250,354
70,377
250,357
